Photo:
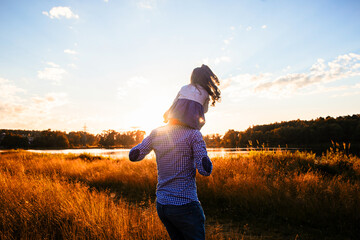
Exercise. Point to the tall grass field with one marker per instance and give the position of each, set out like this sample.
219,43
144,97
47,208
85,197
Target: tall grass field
260,195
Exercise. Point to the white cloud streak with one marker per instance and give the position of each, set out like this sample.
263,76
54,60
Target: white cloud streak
222,59
17,110
69,51
53,73
147,4
72,65
314,81
132,85
215,61
61,12
320,73
8,90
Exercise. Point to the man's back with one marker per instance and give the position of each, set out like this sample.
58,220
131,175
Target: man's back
179,152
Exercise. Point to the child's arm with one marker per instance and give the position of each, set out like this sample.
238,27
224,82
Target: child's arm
138,152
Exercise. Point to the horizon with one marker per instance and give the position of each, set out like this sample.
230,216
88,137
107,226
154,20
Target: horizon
146,133
119,65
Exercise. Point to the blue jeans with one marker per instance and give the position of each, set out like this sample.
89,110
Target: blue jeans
184,221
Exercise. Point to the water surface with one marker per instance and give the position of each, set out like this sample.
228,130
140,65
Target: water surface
124,153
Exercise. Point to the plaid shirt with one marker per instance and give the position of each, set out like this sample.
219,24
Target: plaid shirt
179,152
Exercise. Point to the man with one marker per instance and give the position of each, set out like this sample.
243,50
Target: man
179,151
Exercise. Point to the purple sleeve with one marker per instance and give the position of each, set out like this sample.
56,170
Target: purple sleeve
138,152
202,161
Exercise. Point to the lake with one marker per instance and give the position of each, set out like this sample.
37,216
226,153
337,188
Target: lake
124,153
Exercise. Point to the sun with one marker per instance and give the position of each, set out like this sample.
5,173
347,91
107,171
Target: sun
150,115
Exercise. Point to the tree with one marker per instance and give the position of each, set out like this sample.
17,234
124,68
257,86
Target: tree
213,140
107,138
139,136
231,139
51,139
15,141
74,139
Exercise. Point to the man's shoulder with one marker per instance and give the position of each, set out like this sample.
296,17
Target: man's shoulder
175,129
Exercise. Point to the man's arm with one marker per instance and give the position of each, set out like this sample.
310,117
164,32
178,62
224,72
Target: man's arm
202,161
138,152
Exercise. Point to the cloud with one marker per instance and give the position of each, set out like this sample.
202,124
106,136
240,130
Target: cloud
205,61
106,1
350,91
54,73
52,64
228,41
69,51
147,4
72,65
263,26
215,61
346,94
314,81
356,66
225,83
286,69
50,100
20,111
132,85
248,28
61,12
320,72
8,90
222,59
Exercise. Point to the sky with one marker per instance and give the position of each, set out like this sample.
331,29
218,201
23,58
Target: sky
118,64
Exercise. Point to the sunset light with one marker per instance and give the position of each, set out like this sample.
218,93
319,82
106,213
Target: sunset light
119,64
149,115
190,119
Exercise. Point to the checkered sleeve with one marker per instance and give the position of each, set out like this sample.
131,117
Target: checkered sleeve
138,152
202,161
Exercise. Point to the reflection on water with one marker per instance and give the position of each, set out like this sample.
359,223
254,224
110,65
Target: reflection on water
114,153
221,152
124,153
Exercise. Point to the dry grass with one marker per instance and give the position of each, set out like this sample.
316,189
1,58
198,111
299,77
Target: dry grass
86,197
47,196
41,207
297,188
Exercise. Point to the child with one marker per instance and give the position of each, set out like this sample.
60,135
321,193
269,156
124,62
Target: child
193,99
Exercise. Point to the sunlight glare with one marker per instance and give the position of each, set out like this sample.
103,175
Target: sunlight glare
150,115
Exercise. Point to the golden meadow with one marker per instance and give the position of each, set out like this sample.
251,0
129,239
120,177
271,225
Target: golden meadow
67,196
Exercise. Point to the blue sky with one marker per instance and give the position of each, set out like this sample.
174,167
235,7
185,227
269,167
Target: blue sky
119,64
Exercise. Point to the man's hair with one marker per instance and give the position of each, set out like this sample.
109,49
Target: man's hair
204,77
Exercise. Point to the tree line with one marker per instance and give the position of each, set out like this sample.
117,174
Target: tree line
318,133
10,139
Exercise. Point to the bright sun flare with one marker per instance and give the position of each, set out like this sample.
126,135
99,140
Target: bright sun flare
150,115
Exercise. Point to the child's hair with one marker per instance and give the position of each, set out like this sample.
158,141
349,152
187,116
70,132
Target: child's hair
204,77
